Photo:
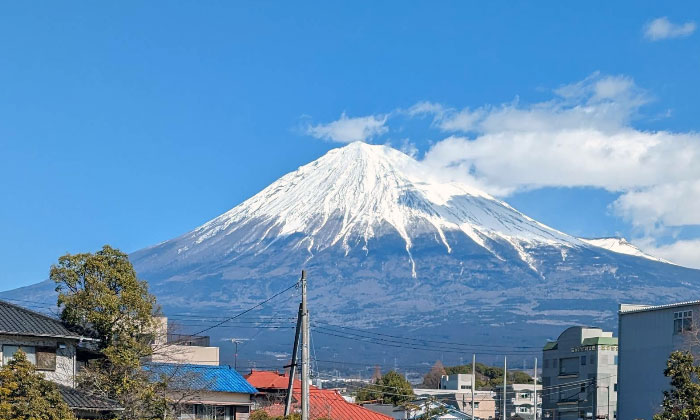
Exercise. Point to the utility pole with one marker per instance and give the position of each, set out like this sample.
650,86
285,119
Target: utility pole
235,342
474,381
535,381
505,376
304,350
293,367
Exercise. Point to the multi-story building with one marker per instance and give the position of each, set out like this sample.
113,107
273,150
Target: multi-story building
648,336
169,347
520,401
461,399
579,375
457,382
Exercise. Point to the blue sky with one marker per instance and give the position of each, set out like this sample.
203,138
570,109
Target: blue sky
135,122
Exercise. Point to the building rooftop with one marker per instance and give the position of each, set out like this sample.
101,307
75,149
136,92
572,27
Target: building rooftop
203,377
323,403
630,308
599,341
21,321
77,399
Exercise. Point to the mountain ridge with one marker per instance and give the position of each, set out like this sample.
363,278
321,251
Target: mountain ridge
391,247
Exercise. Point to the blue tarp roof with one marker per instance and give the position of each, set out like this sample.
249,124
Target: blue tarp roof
201,377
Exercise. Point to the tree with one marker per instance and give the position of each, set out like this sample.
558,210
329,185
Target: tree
682,401
432,378
392,388
490,376
26,395
100,295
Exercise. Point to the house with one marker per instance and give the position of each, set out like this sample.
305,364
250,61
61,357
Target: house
579,373
648,336
323,403
205,392
56,351
520,400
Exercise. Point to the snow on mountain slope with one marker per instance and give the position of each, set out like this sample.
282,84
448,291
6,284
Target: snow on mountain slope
349,195
621,246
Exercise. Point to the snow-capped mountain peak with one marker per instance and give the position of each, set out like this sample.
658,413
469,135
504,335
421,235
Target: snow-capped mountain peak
621,246
358,192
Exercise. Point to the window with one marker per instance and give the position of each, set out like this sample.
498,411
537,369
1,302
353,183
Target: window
568,366
45,358
583,387
591,359
465,387
616,359
682,321
9,351
583,360
615,387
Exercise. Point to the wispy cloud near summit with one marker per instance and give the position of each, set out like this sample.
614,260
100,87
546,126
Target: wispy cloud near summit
348,130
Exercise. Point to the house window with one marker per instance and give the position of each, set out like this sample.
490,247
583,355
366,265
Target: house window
465,386
583,360
682,321
616,359
45,358
615,387
583,387
9,351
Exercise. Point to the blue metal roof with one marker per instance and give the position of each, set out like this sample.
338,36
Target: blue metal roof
202,377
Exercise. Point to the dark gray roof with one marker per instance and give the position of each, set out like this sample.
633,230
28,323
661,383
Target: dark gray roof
78,399
18,320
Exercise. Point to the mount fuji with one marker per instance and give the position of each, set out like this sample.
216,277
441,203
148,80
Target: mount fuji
390,247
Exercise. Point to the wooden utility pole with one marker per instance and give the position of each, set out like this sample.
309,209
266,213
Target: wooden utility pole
293,367
304,350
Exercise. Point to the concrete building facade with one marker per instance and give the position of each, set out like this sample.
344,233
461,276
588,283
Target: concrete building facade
457,382
648,336
579,375
520,401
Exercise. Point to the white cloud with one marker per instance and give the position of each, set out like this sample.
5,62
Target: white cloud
347,130
662,28
582,137
671,204
684,252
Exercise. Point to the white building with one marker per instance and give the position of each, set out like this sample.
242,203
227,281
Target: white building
579,375
169,347
520,401
648,336
456,382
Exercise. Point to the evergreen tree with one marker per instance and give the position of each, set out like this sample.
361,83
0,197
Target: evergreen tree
391,388
26,395
682,401
99,294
